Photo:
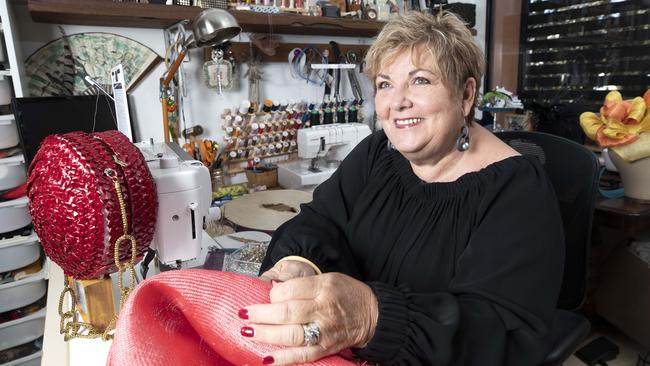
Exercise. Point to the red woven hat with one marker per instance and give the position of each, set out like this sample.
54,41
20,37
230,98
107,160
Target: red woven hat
75,205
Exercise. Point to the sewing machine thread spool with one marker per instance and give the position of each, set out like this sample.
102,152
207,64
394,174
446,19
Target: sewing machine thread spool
229,131
244,106
232,155
340,116
237,120
268,103
254,128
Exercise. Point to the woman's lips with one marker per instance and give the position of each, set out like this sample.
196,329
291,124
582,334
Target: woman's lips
407,122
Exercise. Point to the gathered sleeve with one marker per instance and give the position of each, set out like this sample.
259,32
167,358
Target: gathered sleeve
502,296
317,232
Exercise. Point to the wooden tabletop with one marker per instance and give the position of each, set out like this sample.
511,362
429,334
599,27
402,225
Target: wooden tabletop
623,206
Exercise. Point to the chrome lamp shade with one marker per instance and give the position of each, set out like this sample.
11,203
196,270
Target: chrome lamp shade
213,27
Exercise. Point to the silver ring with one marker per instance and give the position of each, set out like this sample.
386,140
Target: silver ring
311,332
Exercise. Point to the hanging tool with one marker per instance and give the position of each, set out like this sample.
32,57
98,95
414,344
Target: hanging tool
337,60
351,58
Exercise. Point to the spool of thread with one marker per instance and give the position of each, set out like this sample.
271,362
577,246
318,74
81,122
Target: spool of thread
244,106
352,114
328,116
268,104
238,120
340,115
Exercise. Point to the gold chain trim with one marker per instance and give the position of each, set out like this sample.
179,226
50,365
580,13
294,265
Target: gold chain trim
74,328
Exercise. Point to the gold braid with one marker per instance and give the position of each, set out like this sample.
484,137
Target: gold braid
77,329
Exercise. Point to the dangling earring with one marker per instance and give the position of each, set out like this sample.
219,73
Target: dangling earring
389,146
462,143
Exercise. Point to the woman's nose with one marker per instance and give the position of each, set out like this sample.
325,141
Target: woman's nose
400,101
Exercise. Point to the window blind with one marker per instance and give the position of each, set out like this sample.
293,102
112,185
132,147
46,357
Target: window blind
576,51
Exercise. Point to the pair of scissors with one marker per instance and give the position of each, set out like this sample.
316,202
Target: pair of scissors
351,57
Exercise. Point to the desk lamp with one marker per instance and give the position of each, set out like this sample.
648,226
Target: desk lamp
211,27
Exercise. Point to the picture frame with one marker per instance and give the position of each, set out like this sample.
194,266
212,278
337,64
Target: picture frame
518,122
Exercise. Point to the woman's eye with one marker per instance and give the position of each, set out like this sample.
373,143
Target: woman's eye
421,81
383,85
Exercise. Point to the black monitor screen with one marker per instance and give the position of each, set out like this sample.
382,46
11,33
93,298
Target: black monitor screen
38,117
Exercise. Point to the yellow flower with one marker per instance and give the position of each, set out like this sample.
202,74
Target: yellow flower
620,121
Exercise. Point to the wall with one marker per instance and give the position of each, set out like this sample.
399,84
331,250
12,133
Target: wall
504,64
202,105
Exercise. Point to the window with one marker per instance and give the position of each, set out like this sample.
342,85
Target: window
575,51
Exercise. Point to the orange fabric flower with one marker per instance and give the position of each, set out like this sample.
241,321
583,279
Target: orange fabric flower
620,121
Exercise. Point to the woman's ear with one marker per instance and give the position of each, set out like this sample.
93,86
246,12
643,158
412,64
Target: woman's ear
469,94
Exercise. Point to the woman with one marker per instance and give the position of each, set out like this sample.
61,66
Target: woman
434,243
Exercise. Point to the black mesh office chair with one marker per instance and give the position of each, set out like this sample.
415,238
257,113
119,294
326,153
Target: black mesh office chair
573,171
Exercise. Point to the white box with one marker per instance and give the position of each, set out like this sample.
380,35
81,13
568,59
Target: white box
32,360
12,172
14,295
8,131
14,214
23,330
18,252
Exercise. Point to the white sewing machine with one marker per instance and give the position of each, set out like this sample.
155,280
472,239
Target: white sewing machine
184,198
321,150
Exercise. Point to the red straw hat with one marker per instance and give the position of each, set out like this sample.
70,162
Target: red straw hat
75,206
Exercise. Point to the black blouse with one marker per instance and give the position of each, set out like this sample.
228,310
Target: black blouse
465,272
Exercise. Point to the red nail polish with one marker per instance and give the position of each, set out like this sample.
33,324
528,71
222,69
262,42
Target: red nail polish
243,313
268,360
247,331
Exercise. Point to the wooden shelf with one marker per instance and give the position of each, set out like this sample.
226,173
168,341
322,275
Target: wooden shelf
126,14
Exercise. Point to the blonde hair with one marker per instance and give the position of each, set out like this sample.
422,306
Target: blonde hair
445,37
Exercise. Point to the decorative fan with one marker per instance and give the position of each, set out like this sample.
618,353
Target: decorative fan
59,67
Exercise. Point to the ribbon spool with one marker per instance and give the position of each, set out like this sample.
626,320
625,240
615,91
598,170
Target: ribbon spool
93,204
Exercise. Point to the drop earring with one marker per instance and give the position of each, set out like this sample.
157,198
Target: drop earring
389,146
463,142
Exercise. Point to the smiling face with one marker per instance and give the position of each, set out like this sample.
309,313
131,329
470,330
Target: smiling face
420,116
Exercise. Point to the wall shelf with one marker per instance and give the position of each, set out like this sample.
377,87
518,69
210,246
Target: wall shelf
127,14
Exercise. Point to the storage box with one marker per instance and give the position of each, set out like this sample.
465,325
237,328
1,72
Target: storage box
246,260
18,252
623,295
8,131
22,330
25,291
12,172
268,178
14,214
32,360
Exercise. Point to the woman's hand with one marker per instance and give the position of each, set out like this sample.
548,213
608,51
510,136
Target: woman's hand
344,309
286,270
